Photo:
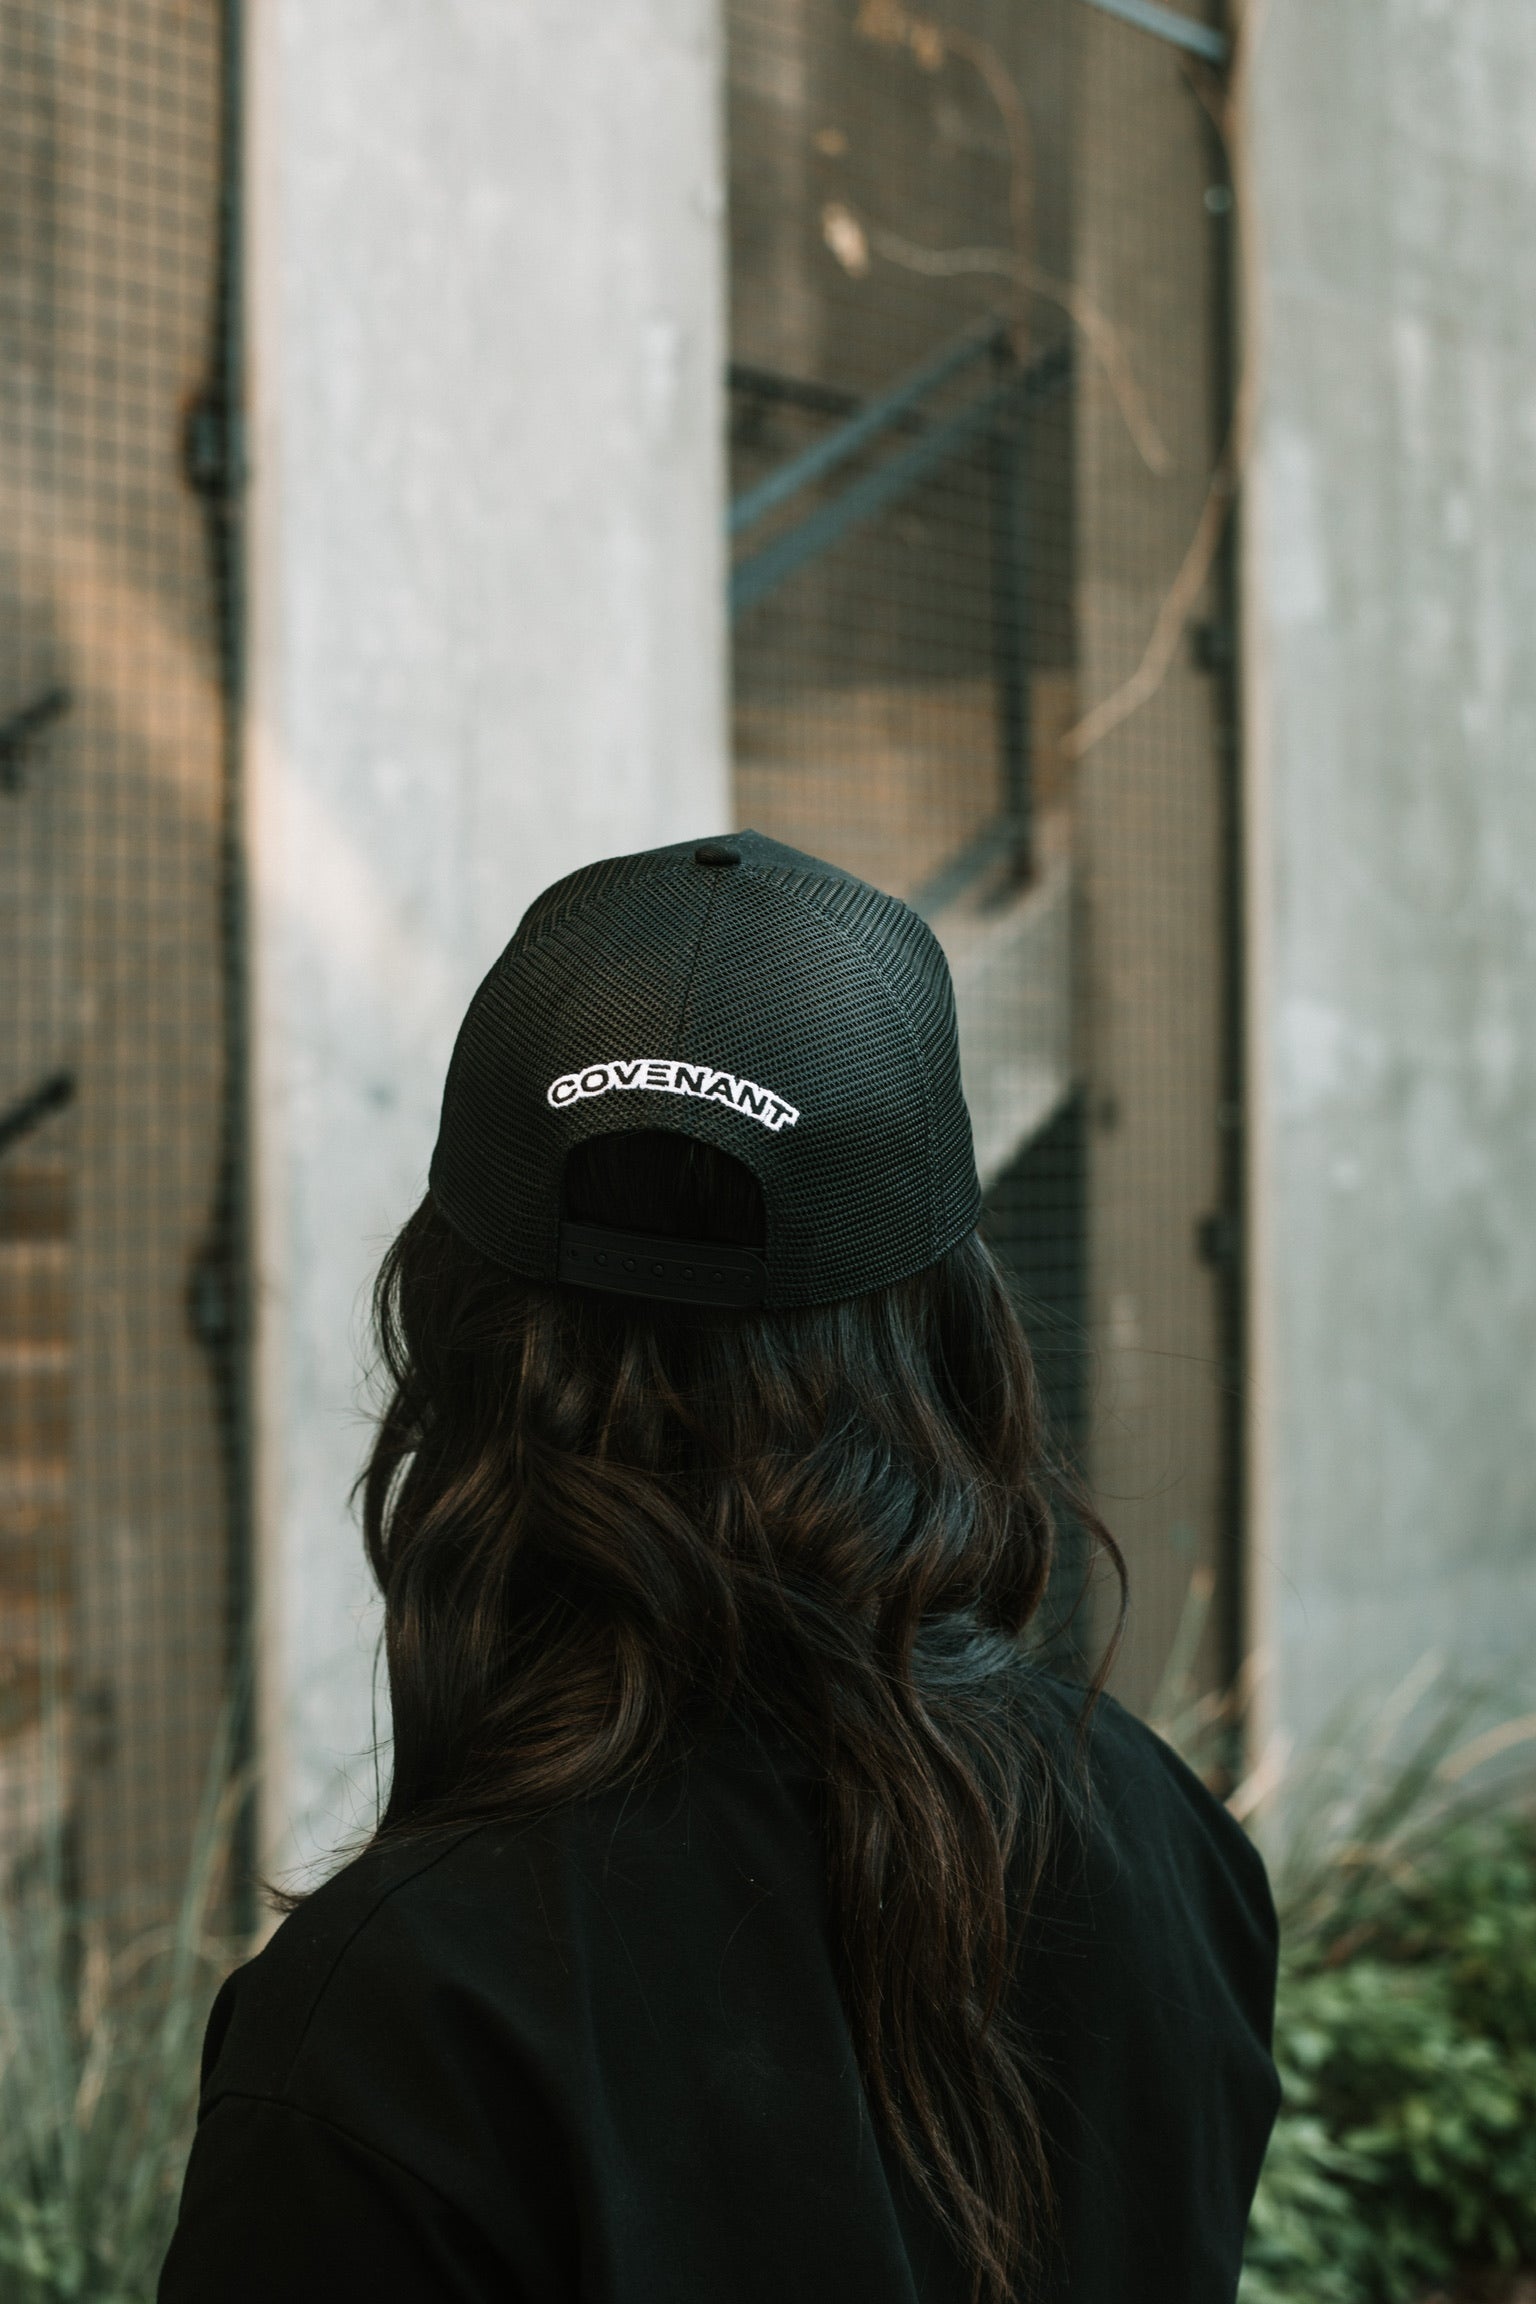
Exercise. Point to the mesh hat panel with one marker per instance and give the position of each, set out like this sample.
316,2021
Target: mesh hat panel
789,1015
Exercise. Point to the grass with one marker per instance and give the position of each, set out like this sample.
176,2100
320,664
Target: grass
99,2048
1404,2159
1403,2164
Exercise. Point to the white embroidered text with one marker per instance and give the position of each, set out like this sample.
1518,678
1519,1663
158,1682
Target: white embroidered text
669,1076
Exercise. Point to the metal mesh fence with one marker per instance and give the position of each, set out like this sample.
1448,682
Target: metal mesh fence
976,390
119,1319
976,398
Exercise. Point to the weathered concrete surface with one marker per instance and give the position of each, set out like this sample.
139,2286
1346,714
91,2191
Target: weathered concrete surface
1391,585
487,638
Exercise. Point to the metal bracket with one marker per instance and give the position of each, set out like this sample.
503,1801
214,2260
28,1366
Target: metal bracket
22,729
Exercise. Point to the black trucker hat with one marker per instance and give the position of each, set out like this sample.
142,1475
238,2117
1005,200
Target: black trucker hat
740,993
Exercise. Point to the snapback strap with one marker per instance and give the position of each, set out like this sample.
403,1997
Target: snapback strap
673,1271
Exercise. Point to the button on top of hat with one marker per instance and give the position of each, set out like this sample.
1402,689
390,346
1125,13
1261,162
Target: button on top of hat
714,857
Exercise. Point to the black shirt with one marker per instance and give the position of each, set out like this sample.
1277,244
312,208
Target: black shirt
602,2057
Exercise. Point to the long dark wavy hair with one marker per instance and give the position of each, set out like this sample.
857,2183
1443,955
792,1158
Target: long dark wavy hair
600,1524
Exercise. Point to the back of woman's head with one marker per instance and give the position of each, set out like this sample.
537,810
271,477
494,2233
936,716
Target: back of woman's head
602,1524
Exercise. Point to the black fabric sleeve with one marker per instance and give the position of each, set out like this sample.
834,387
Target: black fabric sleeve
281,2205
1159,1952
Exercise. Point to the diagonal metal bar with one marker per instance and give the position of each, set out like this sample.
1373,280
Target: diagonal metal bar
791,391
763,572
33,1109
753,579
1167,24
992,844
875,417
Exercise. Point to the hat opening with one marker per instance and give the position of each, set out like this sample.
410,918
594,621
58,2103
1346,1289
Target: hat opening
660,1183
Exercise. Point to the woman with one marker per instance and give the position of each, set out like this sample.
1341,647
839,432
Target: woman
752,1916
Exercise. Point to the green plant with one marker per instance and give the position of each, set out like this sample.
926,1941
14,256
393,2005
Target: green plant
1406,2025
99,2047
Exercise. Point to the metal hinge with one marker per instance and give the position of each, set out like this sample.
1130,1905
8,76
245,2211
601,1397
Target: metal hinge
213,447
1213,645
1219,1240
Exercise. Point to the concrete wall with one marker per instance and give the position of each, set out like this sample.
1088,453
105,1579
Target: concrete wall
485,307
1391,586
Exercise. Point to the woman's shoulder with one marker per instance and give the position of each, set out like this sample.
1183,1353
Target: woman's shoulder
1146,1858
1143,1826
1148,1970
500,1920
348,1932
1155,1920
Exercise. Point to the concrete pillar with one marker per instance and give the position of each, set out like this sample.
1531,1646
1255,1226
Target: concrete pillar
486,644
1391,591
